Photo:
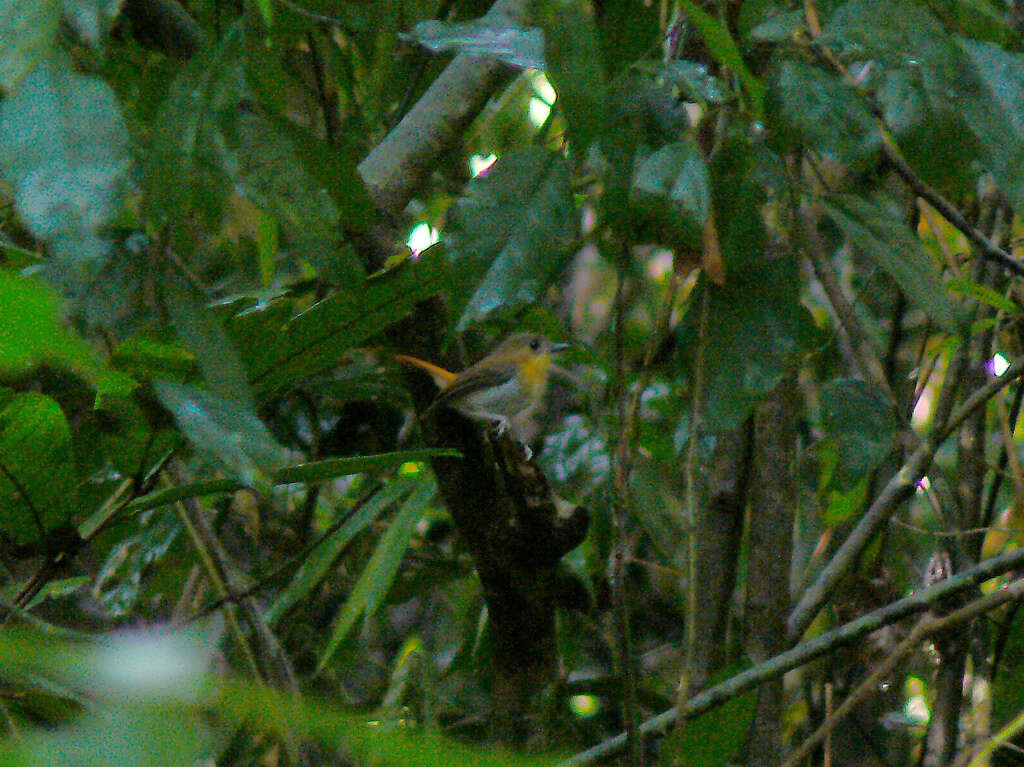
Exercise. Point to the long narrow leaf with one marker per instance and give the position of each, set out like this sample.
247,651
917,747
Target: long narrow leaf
379,573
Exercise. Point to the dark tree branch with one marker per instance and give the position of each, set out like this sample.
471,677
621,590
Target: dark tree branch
803,653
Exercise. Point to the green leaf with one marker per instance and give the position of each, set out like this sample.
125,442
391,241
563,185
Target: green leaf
68,179
492,37
187,174
280,351
205,337
895,249
28,29
994,110
91,19
227,433
984,294
30,332
574,68
725,50
713,739
757,332
314,471
517,223
671,190
320,561
861,421
37,473
807,108
379,573
628,31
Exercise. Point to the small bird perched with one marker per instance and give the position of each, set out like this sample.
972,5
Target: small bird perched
503,388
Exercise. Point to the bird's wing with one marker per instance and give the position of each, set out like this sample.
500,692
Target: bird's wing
475,378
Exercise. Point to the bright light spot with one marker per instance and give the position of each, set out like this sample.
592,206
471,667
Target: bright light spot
543,88
539,112
584,706
917,710
659,267
422,236
923,409
410,467
924,485
478,163
998,364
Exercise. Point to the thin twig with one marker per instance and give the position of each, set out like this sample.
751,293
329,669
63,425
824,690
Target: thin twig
898,489
622,459
810,650
925,627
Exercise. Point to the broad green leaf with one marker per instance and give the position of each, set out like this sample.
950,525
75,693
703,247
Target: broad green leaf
694,81
895,249
226,432
895,33
741,177
68,180
628,31
37,473
30,331
380,571
280,351
205,337
28,29
994,109
713,739
807,108
862,423
977,19
757,331
574,68
187,174
491,36
91,19
725,50
671,190
146,356
515,227
319,562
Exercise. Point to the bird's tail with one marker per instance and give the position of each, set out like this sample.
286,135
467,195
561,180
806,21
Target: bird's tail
442,378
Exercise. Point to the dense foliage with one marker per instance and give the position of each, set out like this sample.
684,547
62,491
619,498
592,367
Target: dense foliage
775,502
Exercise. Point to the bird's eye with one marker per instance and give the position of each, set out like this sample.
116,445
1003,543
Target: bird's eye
534,344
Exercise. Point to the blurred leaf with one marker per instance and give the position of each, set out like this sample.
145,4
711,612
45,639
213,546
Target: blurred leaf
280,353
757,332
146,356
627,30
28,29
378,574
91,19
718,40
30,331
994,109
68,179
978,19
671,189
713,739
983,293
694,81
574,69
809,109
739,190
204,336
892,246
318,564
491,37
37,473
844,505
225,431
862,422
516,223
187,173
897,33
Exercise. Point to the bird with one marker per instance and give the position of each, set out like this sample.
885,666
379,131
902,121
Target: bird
503,388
